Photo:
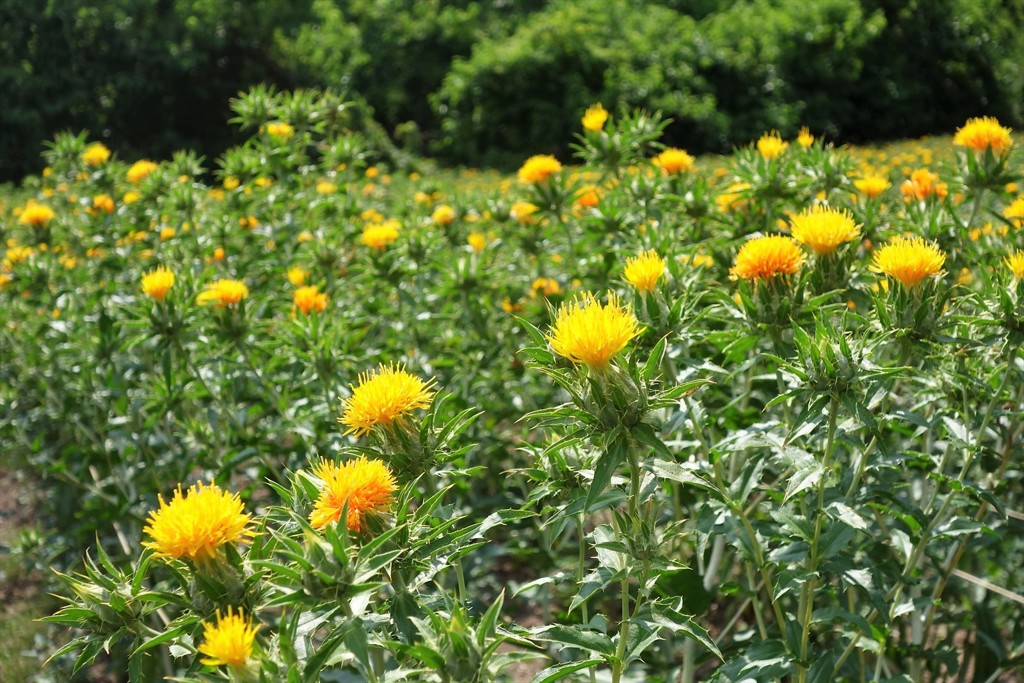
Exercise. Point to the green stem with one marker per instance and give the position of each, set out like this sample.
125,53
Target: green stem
806,608
580,570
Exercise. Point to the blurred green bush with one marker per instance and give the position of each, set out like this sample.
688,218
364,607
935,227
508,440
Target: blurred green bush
491,81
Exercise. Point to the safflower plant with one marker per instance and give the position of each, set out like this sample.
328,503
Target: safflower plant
737,418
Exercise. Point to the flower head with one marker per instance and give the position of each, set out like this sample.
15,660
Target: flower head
95,154
771,145
443,215
538,168
823,229
156,283
195,525
588,196
280,129
909,260
326,187
872,185
923,184
1015,262
139,170
544,286
224,293
595,118
364,485
102,203
644,271
673,161
379,235
983,133
805,139
308,299
383,396
36,215
297,275
767,257
477,241
590,333
522,212
229,641
1015,212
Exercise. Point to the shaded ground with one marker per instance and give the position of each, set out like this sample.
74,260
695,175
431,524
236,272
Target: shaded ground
22,596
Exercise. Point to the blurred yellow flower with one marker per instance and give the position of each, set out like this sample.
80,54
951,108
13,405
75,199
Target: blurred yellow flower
297,275
697,260
304,236
538,168
587,197
248,222
522,212
805,139
231,182
16,254
156,283
1015,212
36,215
5,280
223,293
229,641
139,170
983,133
923,184
218,254
871,186
195,525
767,257
477,241
362,485
908,259
591,334
823,228
280,129
673,161
102,203
383,396
308,299
326,187
595,117
544,286
131,197
95,154
1015,262
644,270
771,145
443,214
380,235
167,232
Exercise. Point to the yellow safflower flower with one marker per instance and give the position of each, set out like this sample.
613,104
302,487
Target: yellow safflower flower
95,154
1015,212
36,215
195,525
139,170
443,215
538,168
1015,262
229,641
157,282
908,259
595,118
823,229
383,396
477,241
379,235
363,485
591,334
767,257
223,293
280,129
871,186
673,161
983,133
805,139
544,286
771,145
308,299
644,270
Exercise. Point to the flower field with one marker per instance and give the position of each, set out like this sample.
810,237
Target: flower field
313,411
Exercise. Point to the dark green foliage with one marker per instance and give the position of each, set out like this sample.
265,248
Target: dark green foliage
491,81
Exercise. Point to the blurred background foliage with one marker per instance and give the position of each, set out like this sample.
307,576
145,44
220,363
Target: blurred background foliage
487,82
